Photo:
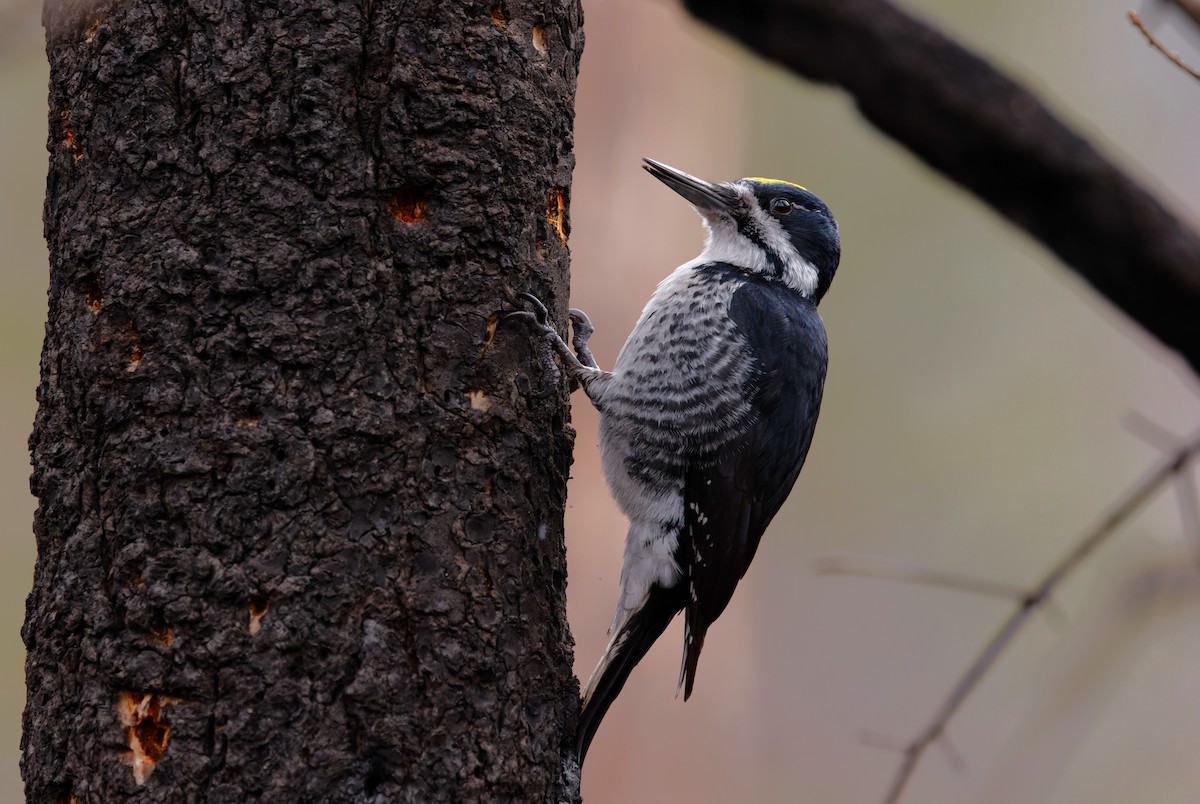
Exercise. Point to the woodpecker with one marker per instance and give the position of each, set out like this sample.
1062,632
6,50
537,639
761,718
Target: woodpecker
709,412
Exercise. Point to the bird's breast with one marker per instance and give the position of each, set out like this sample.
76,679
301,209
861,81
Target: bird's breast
680,385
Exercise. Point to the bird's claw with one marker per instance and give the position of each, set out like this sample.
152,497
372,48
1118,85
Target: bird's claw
540,314
540,318
581,326
581,331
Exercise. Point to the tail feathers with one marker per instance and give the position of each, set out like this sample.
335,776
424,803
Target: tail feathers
694,630
627,647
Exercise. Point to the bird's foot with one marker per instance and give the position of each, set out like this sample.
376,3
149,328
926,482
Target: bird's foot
581,331
550,342
582,368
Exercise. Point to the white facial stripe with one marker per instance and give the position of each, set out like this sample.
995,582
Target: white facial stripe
727,244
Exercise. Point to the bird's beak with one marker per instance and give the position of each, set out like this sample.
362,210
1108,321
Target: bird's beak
706,196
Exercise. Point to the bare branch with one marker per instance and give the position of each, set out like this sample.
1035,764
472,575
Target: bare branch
1171,55
894,570
1130,504
995,138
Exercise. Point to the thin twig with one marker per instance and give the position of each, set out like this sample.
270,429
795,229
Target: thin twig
894,570
1173,57
1132,502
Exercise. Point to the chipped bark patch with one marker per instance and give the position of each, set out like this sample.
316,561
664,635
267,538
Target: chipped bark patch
539,39
489,334
135,357
258,609
126,334
69,140
408,204
479,401
556,213
499,17
147,732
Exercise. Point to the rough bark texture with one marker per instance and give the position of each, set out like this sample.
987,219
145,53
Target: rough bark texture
989,134
300,523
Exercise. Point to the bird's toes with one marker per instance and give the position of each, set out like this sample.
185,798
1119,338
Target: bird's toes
540,311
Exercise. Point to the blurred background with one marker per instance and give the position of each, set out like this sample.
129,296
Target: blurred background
973,421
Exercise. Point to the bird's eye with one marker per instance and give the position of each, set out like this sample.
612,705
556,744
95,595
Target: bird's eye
781,206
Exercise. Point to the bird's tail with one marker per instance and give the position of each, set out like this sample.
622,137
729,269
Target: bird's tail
630,642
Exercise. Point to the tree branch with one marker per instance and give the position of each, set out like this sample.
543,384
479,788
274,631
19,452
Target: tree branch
1035,599
1172,57
893,570
995,138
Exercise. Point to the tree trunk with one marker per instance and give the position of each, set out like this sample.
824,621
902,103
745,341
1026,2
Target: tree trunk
300,522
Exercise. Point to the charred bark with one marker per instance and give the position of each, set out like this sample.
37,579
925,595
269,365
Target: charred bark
300,518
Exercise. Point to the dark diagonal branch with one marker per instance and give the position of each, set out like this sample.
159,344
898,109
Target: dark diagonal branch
986,132
1035,599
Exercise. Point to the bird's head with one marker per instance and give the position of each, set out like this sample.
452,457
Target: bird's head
771,228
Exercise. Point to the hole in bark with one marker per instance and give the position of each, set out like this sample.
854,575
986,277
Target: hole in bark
258,606
408,204
499,17
539,38
152,735
147,732
556,212
93,296
376,775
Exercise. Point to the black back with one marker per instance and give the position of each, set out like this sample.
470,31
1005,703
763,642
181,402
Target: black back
731,497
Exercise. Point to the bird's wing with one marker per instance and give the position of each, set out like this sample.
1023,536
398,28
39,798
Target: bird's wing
731,496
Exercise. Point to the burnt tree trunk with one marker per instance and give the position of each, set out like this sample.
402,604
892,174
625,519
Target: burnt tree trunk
300,522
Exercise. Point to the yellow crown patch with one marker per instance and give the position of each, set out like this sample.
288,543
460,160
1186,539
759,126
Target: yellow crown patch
774,181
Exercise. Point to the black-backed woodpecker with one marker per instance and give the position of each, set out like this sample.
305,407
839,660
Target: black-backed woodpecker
709,412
